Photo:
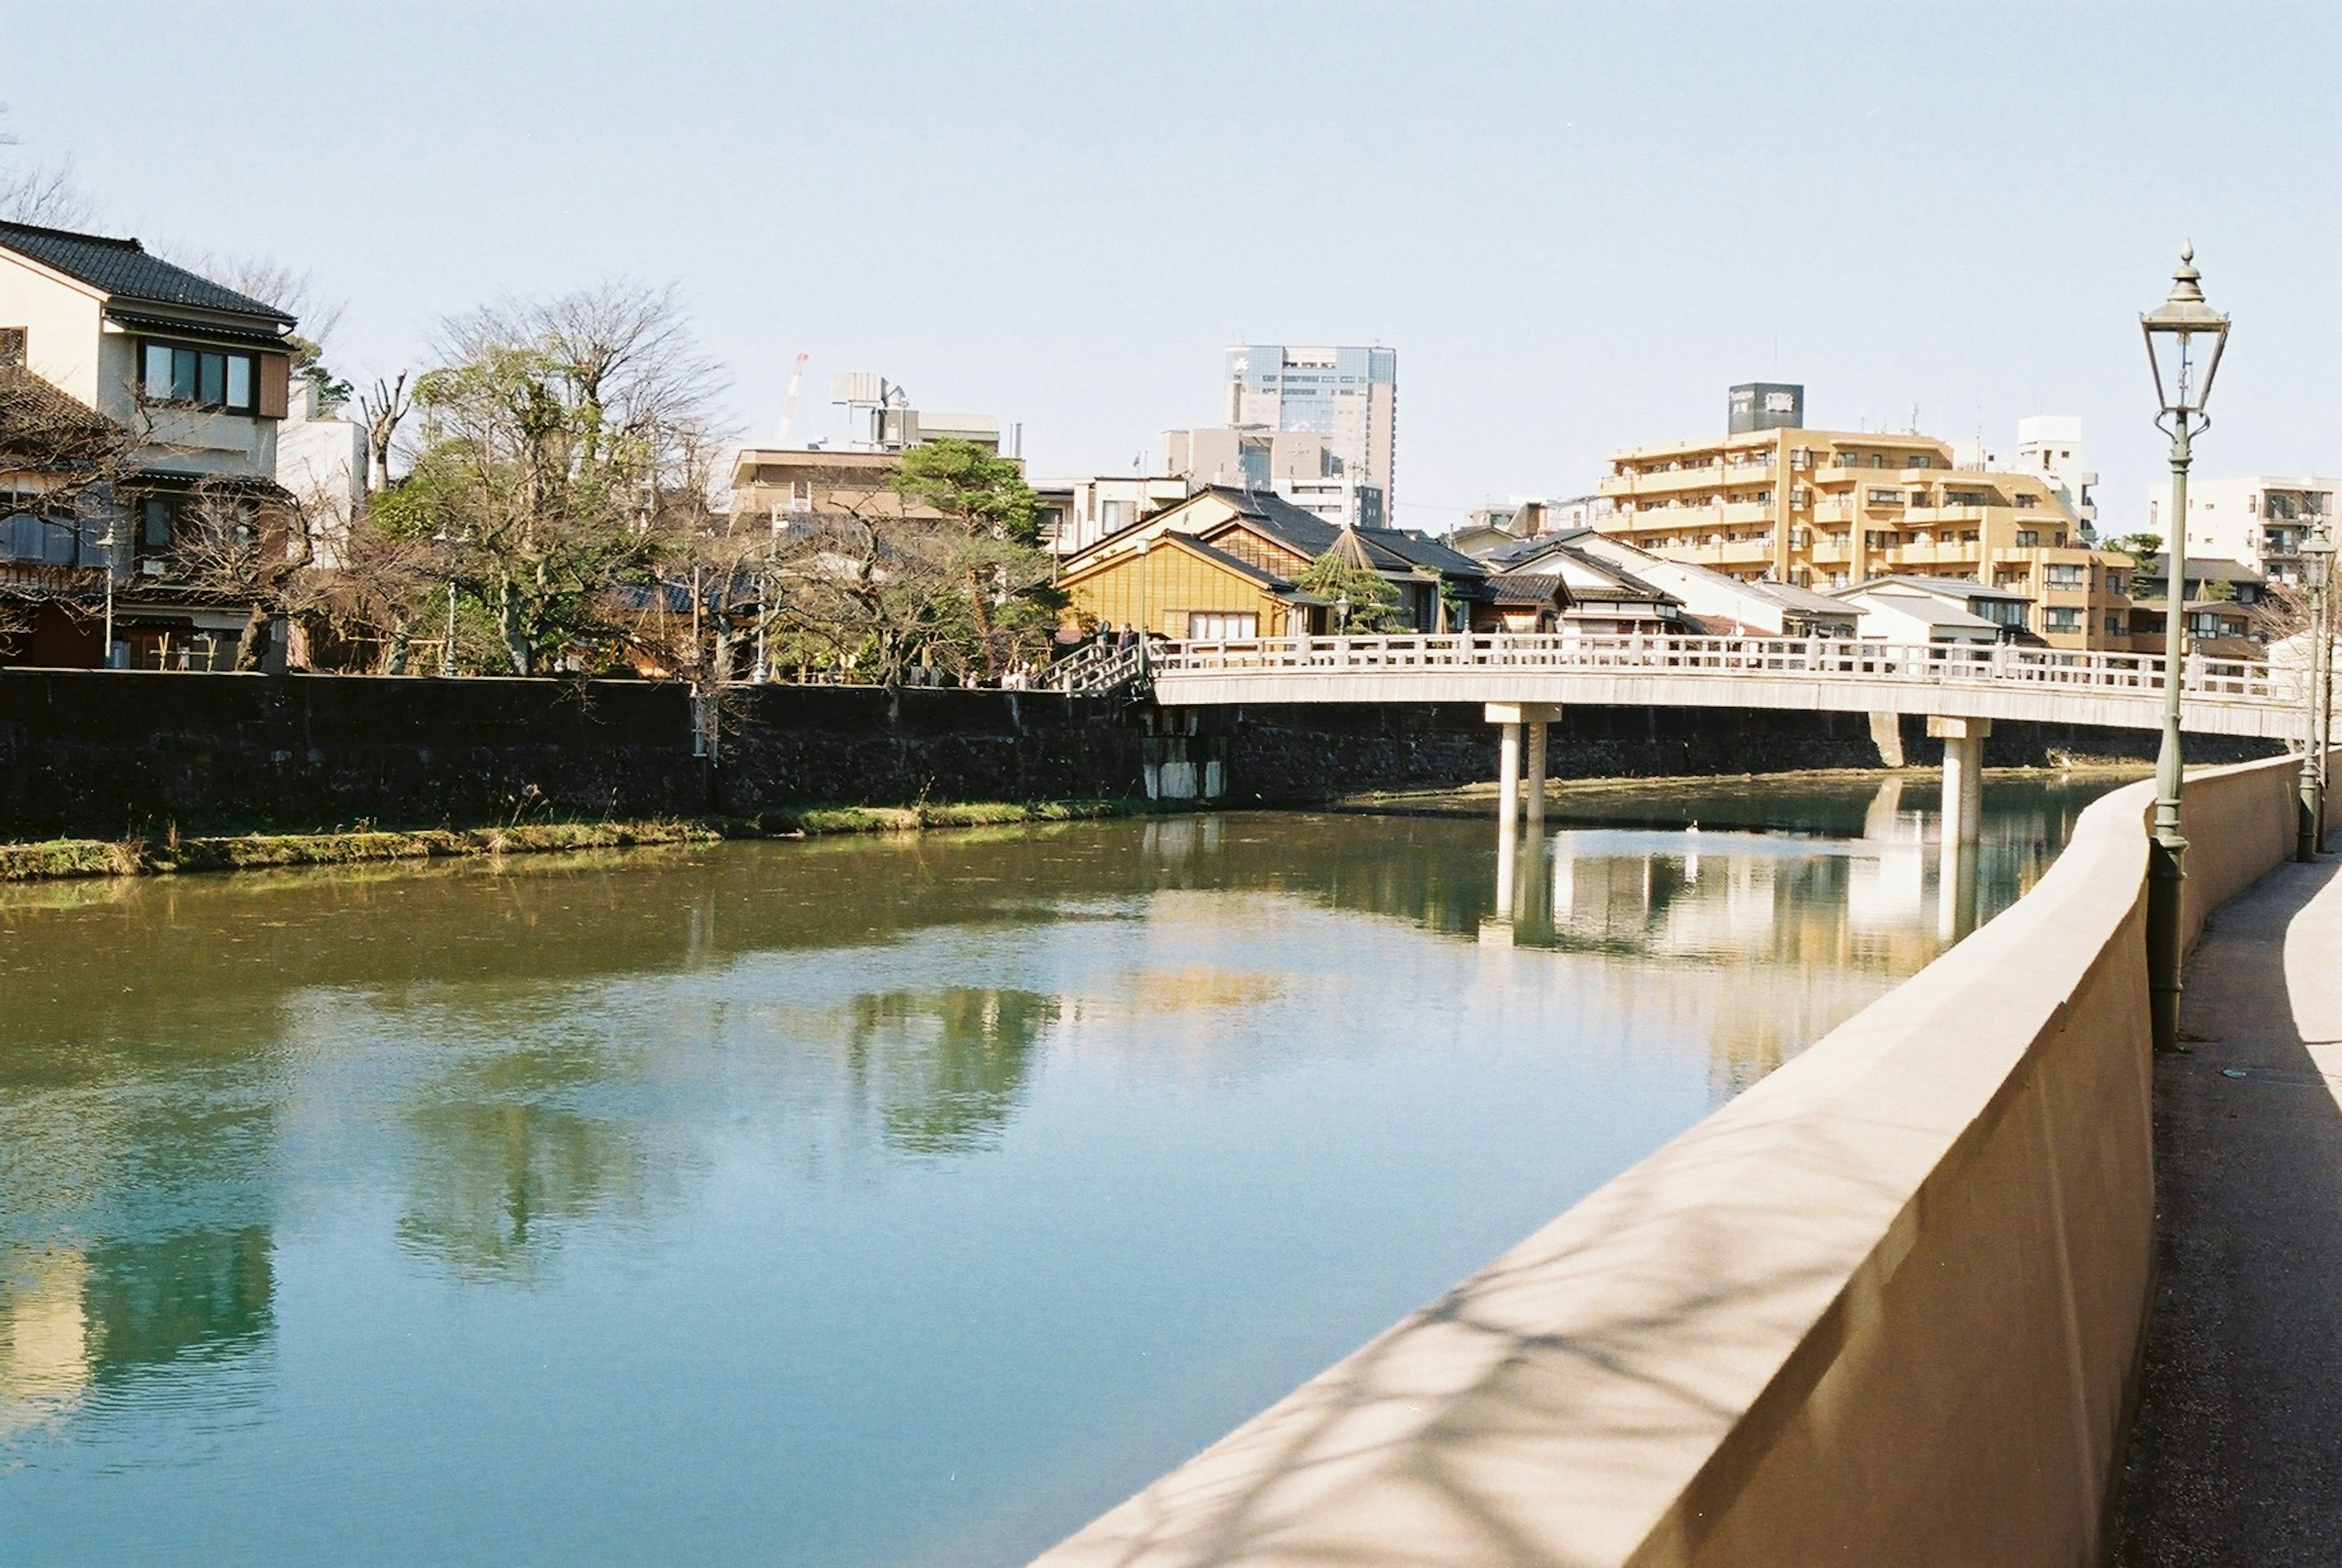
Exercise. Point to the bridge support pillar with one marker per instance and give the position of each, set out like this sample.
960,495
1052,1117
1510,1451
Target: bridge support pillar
1512,719
1963,776
1535,774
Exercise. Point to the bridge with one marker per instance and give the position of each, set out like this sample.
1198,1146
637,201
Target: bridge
1945,680
1524,682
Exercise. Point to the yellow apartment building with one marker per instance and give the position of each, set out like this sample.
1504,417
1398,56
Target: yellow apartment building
1829,509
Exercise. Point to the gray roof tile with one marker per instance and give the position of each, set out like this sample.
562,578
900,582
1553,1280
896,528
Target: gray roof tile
124,270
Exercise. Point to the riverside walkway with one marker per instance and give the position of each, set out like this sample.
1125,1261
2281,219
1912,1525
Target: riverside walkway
2233,1456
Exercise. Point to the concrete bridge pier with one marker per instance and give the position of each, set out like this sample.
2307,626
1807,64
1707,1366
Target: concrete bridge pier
1517,722
1963,777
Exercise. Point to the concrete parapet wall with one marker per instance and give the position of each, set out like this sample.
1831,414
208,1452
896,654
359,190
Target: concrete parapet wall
1885,1307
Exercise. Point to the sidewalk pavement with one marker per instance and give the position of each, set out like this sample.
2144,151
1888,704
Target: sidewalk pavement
2236,1457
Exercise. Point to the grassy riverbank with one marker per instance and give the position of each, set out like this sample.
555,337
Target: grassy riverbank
173,854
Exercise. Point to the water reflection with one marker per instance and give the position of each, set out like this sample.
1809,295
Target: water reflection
843,1157
946,1068
1891,897
505,1164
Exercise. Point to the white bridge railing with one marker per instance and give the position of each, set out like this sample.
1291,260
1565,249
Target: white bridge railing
1828,659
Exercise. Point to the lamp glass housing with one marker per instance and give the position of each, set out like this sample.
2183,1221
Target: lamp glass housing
2184,337
2316,560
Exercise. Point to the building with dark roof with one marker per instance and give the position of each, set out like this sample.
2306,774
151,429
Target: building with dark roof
192,379
1111,580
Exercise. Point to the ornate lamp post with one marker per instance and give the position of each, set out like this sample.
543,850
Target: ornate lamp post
2316,569
2184,340
447,648
113,528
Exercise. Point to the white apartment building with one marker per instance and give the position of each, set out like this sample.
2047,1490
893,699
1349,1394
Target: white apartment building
2050,445
2261,519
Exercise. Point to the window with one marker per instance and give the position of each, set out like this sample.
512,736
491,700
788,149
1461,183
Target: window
2028,539
158,516
1878,460
2204,623
801,495
202,378
1921,460
2000,612
2113,625
11,346
2055,619
2065,576
2114,582
1881,497
2025,501
1218,626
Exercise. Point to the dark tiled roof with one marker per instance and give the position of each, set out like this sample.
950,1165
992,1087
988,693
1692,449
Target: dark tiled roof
1391,549
1528,588
35,410
124,269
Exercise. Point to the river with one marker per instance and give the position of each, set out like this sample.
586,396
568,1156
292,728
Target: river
847,1202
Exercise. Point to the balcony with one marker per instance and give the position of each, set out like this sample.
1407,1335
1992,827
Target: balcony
38,578
1961,556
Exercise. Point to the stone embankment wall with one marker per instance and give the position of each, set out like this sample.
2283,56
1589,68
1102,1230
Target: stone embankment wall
101,753
1885,1307
115,754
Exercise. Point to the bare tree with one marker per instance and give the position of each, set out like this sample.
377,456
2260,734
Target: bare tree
383,587
250,550
382,410
43,193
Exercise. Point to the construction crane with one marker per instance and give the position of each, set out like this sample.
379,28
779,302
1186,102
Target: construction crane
789,403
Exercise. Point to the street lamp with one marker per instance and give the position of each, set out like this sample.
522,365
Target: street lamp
447,648
2184,340
112,526
2316,569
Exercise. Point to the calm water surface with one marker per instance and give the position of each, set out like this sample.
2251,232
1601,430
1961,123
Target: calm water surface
843,1203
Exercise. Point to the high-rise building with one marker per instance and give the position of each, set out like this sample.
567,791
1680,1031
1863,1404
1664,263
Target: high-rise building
1835,509
1348,395
2261,519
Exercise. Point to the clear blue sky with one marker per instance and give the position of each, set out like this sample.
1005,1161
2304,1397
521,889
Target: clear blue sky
1576,222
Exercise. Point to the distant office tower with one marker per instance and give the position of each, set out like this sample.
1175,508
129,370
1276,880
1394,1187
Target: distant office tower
1348,395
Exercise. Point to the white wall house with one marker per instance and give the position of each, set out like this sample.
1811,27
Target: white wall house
197,378
1090,510
1730,604
321,462
1933,609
